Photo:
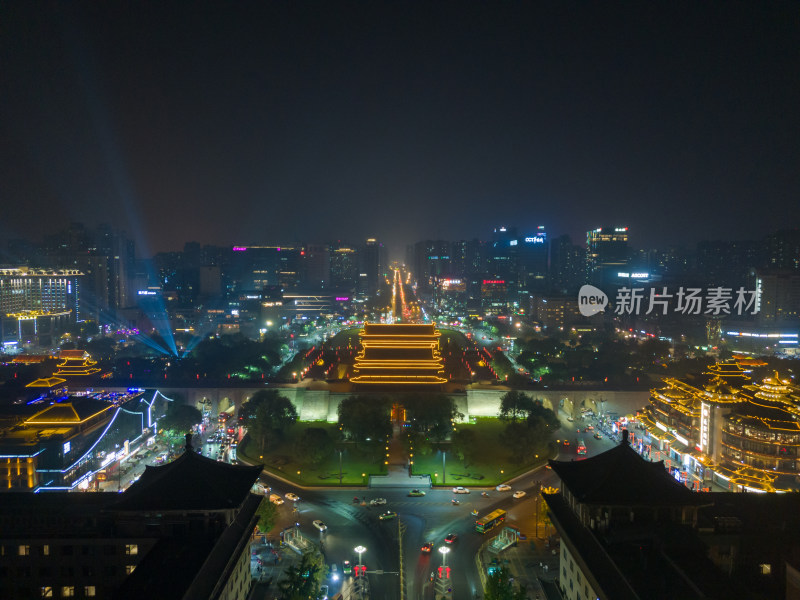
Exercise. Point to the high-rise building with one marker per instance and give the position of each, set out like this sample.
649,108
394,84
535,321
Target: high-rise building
783,250
779,298
373,266
606,253
343,267
431,261
567,266
534,253
37,304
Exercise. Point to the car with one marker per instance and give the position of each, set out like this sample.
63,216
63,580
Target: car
334,572
451,538
519,494
319,525
597,436
590,428
416,493
503,487
347,568
566,443
388,515
323,592
460,490
275,499
377,502
292,497
427,547
570,419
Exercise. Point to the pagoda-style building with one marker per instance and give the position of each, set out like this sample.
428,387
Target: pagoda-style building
630,531
76,363
399,354
736,433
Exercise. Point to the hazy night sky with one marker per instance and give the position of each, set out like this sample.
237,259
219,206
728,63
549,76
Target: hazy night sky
243,122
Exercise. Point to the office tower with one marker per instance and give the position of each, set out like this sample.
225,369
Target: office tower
533,251
606,253
343,267
567,266
373,266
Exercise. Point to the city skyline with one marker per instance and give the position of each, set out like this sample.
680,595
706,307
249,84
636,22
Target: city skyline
228,125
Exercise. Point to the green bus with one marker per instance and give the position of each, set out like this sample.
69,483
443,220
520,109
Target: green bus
484,524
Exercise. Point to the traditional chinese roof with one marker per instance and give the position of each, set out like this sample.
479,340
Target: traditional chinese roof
399,354
49,382
74,354
73,412
620,477
190,482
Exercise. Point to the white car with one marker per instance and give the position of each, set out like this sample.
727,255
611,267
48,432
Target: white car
275,499
519,494
460,490
503,487
377,502
292,497
319,525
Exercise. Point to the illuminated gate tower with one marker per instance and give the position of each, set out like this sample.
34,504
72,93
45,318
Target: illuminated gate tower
399,354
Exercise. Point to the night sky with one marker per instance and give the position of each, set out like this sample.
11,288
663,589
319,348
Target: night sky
247,123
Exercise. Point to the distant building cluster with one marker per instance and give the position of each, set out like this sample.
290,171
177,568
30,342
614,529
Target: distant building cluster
95,274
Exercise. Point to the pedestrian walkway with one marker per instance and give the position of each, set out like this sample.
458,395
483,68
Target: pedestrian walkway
398,471
268,564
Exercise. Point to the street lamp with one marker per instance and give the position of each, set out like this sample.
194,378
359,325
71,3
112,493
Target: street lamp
444,550
444,474
360,550
340,467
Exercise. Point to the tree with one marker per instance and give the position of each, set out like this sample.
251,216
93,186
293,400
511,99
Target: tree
267,417
521,440
500,587
181,418
303,580
365,418
463,445
267,515
515,405
431,414
313,445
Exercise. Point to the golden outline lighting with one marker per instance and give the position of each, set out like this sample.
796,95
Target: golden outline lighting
399,354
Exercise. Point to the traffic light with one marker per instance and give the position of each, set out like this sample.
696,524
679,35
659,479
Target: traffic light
360,570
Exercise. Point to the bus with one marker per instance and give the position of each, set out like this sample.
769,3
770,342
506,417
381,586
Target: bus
484,524
581,447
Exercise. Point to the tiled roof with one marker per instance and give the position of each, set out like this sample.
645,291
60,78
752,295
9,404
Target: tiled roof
621,477
190,482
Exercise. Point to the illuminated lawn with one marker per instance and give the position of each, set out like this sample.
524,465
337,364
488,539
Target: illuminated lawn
281,460
491,462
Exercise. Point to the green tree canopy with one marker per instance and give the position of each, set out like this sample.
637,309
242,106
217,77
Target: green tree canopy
313,445
180,418
464,444
500,587
365,418
515,405
267,415
302,580
267,515
432,414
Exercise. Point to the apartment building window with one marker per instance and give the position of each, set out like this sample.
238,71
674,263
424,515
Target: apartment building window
46,550
24,551
68,591
47,591
131,549
129,569
89,591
